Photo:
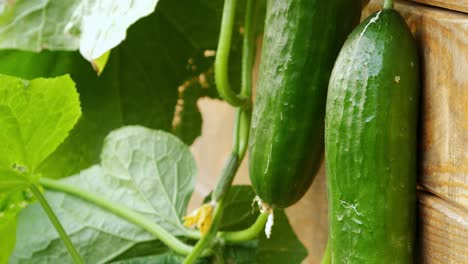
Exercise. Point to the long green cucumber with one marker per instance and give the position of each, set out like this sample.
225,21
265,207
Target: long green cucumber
370,143
301,41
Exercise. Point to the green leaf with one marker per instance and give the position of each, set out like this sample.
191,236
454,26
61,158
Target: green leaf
140,85
283,245
93,27
240,211
167,258
143,249
100,63
158,259
35,117
151,172
10,204
7,238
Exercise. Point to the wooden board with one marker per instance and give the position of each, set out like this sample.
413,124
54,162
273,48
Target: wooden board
443,231
457,5
443,41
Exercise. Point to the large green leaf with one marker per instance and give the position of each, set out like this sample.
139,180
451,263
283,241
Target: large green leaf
93,27
151,172
35,117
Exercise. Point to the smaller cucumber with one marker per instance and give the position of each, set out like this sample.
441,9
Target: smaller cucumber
301,41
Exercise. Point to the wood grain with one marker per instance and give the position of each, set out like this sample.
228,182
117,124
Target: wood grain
457,5
443,41
443,229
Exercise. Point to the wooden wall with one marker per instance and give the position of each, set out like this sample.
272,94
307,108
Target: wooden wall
441,29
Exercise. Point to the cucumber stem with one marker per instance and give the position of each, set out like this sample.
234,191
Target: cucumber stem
246,234
222,57
242,123
388,4
227,177
248,50
58,226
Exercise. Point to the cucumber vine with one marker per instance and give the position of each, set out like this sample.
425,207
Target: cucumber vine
242,125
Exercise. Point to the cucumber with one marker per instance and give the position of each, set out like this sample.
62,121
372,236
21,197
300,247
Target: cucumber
301,41
370,143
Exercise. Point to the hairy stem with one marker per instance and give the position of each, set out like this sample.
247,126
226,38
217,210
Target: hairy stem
58,226
151,227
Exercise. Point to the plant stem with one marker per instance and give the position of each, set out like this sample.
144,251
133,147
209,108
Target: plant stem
226,178
248,50
242,126
151,227
58,226
244,131
248,53
246,234
388,4
222,56
242,123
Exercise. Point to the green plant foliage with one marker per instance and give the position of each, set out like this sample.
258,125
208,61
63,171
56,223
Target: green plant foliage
151,172
35,117
161,67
